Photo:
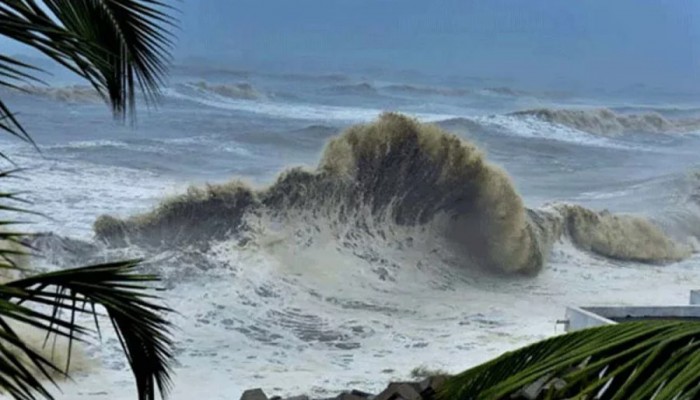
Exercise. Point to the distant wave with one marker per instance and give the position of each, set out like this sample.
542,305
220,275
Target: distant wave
529,127
68,94
90,144
311,77
606,122
505,91
292,110
202,69
668,112
244,91
353,89
309,137
427,90
396,181
451,92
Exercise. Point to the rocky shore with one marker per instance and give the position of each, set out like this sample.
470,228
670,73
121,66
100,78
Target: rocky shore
422,390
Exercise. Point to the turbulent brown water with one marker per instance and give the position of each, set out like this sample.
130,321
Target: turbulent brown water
399,175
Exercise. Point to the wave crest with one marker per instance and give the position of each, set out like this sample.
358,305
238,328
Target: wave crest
615,236
243,91
397,175
606,122
68,94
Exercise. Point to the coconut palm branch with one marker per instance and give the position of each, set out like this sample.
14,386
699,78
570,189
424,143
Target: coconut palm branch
118,46
54,302
637,360
64,295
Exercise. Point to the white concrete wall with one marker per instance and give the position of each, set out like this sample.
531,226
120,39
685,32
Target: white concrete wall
692,311
695,297
588,317
580,318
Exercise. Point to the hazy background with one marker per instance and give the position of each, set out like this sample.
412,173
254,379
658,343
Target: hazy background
544,43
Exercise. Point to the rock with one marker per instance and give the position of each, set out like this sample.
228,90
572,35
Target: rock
362,394
429,386
349,396
254,394
302,397
354,395
400,391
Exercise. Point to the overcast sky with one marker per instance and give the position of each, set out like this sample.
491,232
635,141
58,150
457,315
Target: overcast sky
599,42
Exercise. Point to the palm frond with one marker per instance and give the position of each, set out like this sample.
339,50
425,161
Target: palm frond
118,46
635,360
129,43
63,295
51,302
12,73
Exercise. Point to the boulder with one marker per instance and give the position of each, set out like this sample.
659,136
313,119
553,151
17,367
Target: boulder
354,395
349,396
362,394
430,386
254,394
400,391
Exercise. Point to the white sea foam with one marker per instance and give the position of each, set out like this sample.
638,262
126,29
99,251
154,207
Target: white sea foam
315,112
316,319
414,320
531,127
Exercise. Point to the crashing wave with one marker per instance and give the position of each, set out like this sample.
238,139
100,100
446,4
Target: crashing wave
243,91
397,175
616,236
605,122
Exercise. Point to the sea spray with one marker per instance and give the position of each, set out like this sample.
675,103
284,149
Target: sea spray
616,236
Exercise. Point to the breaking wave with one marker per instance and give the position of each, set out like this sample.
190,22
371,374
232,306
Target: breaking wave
396,180
68,94
243,91
606,122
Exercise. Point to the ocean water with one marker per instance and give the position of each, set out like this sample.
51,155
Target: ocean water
384,251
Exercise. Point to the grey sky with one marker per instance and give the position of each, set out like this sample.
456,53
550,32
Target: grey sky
619,42
582,42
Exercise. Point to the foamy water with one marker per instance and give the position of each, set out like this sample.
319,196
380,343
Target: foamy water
294,304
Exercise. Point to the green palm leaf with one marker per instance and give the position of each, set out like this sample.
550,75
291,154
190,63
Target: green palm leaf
636,360
135,316
118,46
52,302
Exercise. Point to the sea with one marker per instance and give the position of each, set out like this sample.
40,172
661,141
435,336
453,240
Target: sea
322,232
